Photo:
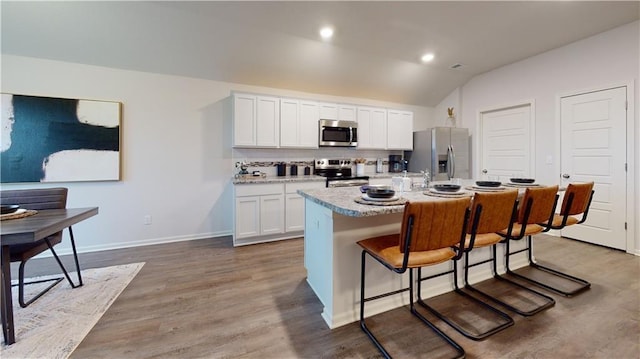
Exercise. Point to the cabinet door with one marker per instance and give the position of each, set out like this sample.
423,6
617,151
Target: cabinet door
267,121
378,128
289,123
328,111
399,130
247,216
308,127
372,127
244,120
346,113
294,212
271,214
364,127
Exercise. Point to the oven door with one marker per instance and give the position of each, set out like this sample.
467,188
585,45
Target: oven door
338,133
347,182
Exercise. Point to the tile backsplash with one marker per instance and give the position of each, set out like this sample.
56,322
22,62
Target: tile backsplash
265,160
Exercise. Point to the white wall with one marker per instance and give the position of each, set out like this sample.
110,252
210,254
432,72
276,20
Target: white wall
176,150
609,58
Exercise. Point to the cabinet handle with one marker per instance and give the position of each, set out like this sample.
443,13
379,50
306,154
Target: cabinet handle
484,171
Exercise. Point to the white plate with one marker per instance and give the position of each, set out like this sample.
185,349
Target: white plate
366,197
459,192
487,188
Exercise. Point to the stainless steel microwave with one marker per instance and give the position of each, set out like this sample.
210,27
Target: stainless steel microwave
335,133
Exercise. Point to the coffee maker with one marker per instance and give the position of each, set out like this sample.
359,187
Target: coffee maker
396,164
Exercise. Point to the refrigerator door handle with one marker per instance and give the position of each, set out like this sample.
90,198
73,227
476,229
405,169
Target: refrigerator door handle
452,163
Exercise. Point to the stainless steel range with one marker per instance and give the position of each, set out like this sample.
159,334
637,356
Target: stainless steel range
338,173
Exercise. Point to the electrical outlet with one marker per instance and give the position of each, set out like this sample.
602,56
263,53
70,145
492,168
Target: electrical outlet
147,219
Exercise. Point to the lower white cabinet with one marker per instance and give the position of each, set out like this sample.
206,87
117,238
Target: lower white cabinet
268,212
259,210
294,218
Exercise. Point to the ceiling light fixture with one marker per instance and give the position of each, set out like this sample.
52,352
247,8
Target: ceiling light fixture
326,33
427,57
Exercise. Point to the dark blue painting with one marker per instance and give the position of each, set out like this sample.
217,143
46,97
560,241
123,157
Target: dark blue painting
47,139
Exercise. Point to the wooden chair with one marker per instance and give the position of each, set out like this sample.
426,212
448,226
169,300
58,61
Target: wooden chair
39,199
577,200
490,213
431,233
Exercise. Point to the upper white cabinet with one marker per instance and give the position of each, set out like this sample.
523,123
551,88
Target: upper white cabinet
256,121
372,128
299,123
328,111
332,111
346,112
273,122
399,130
244,120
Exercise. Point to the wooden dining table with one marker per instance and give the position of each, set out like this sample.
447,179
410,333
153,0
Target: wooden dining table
29,230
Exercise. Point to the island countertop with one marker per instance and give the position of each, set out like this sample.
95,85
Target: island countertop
342,201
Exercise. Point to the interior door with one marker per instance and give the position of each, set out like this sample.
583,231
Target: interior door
593,148
506,143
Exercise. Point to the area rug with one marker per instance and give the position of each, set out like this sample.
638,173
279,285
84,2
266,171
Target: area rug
54,325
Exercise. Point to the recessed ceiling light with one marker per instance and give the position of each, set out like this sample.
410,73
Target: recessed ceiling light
427,57
326,33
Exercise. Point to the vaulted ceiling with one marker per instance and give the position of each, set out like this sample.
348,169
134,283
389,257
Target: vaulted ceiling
375,52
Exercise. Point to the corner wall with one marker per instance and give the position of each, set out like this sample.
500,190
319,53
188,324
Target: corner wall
610,58
176,156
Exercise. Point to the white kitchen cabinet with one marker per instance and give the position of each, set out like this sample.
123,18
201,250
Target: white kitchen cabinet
299,123
259,211
256,121
399,130
328,111
372,128
244,120
346,112
294,207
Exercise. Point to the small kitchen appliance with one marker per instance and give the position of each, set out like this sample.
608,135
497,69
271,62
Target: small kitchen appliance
396,164
281,169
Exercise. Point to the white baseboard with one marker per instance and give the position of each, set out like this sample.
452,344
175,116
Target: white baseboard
145,242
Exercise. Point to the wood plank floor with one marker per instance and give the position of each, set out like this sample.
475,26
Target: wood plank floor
206,299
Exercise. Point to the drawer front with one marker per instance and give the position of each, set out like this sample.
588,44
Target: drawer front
293,187
259,189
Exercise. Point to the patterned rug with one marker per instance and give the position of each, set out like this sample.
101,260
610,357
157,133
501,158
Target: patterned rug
54,325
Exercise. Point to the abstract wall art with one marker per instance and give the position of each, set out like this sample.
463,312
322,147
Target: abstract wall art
47,139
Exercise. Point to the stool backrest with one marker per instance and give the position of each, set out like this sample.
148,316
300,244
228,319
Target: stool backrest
543,202
434,224
576,198
38,199
496,210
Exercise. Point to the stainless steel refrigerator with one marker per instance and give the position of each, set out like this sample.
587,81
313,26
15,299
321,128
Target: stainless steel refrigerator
444,151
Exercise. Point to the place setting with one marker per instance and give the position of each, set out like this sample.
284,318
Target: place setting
522,183
380,195
447,190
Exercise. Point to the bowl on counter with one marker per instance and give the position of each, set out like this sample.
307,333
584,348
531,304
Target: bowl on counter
446,187
488,183
522,180
9,208
380,191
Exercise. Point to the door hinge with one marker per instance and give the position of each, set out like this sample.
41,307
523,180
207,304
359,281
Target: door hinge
626,105
625,167
625,226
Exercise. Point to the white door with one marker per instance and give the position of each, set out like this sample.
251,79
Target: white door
593,148
506,146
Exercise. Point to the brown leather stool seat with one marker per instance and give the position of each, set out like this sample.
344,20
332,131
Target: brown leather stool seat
577,199
431,233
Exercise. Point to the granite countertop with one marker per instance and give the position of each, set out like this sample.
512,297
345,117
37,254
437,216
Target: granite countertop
249,179
342,201
392,174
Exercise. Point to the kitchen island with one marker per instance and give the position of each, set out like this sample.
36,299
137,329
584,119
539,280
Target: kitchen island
334,222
